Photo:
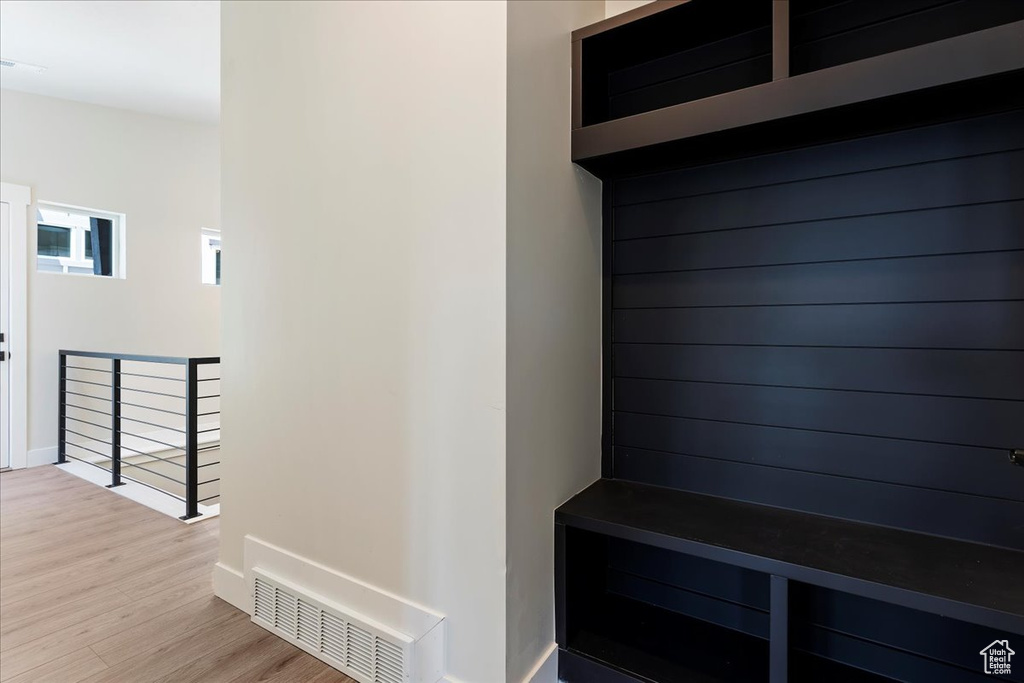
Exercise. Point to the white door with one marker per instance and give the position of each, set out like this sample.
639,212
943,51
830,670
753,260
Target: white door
14,207
5,325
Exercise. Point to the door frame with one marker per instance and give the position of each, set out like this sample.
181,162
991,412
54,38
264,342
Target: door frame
19,198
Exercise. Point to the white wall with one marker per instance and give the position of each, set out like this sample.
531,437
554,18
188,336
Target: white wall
165,175
364,319
554,317
613,7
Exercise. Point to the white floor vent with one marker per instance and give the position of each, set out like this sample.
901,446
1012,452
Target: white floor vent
368,652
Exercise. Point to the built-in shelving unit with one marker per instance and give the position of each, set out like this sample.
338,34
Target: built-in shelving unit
682,110
813,343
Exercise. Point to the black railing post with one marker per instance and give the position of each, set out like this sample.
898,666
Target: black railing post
115,423
62,409
192,439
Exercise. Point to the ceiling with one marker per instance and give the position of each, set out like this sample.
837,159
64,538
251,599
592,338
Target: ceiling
155,56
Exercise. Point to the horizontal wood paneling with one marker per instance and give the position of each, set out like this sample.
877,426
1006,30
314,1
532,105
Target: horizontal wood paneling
961,325
961,277
824,35
973,470
885,661
978,374
725,78
713,579
966,469
691,51
930,232
930,635
985,520
698,59
951,182
991,133
695,605
978,422
829,327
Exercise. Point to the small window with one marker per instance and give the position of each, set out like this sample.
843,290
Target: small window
70,239
211,256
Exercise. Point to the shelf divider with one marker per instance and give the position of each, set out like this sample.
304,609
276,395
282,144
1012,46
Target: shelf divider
780,39
778,630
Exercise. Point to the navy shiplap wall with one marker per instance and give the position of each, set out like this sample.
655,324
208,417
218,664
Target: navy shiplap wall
826,33
837,329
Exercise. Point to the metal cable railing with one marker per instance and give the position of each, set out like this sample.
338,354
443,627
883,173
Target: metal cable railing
178,401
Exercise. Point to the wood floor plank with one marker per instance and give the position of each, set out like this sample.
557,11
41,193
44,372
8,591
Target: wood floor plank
160,629
168,657
125,561
297,668
58,616
95,588
254,651
71,668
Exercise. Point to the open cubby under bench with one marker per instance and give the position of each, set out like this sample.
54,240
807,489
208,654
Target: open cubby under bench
657,584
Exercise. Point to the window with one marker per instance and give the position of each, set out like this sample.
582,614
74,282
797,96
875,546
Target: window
69,238
211,256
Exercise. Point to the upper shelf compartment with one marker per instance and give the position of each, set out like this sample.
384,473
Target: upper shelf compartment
825,33
671,70
687,51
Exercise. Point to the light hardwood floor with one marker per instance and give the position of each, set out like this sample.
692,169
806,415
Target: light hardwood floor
95,588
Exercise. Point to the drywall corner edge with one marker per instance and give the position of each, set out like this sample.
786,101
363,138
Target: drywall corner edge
546,668
229,586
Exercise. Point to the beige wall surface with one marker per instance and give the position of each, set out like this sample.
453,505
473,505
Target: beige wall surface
363,155
554,317
613,7
164,175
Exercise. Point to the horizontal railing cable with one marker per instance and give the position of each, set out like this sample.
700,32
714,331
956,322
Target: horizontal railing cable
94,424
95,398
149,438
209,481
93,410
139,374
152,424
154,393
79,367
125,476
127,448
203,500
91,450
85,381
159,410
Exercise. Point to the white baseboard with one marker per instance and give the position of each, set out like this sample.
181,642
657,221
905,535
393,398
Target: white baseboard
42,456
229,586
373,602
546,668
544,671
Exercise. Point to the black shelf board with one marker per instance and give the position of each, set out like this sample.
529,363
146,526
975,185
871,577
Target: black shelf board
968,581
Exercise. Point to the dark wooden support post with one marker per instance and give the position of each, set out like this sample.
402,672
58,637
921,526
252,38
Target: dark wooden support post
62,409
780,39
191,439
779,630
115,423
